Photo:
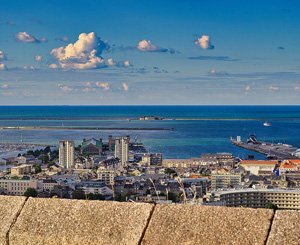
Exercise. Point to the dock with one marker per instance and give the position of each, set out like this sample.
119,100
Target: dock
279,150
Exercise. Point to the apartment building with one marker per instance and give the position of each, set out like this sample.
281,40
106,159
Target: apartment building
106,175
21,170
259,198
66,153
17,187
225,180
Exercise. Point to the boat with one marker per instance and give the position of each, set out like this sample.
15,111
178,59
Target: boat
267,124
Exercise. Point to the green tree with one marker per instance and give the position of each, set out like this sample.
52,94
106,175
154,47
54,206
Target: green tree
172,197
37,168
47,150
170,172
271,206
92,196
78,194
30,192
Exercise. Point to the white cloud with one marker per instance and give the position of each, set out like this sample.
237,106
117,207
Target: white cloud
38,58
112,62
93,86
2,56
4,86
88,89
215,72
83,54
297,88
53,66
28,38
2,67
125,87
28,67
273,88
65,88
104,85
127,63
204,42
248,88
147,46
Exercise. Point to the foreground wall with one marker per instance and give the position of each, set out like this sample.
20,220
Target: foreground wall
62,221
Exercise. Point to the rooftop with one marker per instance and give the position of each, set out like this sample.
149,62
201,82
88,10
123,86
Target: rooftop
259,162
62,221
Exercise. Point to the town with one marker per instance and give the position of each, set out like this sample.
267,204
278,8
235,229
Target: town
121,169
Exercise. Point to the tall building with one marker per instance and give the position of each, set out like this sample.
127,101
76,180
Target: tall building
122,149
66,153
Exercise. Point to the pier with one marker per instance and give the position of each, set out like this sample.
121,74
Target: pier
279,150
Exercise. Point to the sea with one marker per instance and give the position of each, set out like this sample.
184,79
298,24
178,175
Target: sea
189,131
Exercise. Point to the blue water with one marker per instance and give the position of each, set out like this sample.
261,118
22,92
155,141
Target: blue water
201,129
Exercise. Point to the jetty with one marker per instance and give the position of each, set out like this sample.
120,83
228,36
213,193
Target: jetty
271,150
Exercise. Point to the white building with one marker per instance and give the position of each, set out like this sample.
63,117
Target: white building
106,175
17,187
66,153
122,149
21,170
96,187
257,166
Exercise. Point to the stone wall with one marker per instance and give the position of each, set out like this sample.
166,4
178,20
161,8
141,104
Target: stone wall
62,221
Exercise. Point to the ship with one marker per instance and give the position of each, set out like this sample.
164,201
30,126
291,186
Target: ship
267,124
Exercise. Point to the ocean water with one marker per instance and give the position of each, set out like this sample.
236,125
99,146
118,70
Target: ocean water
196,129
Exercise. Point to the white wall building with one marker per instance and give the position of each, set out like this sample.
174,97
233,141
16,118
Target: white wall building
122,149
17,187
66,153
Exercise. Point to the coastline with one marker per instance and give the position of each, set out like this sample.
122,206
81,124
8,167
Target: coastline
82,128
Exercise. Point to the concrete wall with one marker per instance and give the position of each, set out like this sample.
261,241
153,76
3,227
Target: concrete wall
61,221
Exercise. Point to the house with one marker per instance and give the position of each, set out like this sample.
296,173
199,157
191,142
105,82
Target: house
49,184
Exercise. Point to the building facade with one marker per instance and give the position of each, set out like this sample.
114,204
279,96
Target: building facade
66,153
17,187
21,170
259,198
122,149
225,180
106,175
150,159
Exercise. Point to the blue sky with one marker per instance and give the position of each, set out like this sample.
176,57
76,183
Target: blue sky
149,52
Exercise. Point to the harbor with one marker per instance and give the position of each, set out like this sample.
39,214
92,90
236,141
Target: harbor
270,150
